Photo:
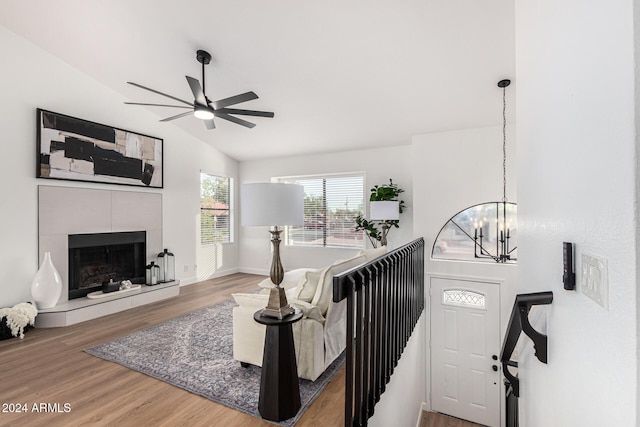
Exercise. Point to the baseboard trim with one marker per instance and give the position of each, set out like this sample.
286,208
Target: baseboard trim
261,272
423,408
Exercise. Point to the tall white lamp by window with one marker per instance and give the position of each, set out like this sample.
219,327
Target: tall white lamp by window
274,205
386,210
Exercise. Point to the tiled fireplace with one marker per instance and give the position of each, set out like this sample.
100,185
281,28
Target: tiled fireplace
65,212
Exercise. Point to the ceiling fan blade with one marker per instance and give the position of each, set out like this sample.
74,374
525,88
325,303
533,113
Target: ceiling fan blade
237,99
160,93
234,119
198,94
246,112
177,116
210,124
158,105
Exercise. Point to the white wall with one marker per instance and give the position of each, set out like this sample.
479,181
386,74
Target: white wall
379,166
32,78
452,171
401,403
577,175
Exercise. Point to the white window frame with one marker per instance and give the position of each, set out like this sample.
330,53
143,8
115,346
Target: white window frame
288,240
230,209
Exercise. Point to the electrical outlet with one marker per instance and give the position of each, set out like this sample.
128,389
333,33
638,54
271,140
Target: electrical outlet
186,268
594,282
195,267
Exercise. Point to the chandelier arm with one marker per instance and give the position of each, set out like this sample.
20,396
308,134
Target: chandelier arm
483,252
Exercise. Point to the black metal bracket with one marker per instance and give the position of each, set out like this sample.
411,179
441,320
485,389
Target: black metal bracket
518,323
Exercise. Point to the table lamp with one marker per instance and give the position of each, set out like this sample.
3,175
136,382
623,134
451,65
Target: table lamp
386,210
274,205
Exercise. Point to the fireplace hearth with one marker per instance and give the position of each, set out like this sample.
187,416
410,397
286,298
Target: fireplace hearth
100,257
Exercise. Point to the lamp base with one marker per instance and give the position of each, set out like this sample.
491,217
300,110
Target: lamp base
278,306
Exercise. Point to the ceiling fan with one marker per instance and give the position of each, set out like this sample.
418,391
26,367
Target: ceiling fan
202,107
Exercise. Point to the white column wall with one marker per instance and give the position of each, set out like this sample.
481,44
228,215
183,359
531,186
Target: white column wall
577,179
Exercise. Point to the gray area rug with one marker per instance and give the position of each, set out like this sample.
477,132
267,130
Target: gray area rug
195,352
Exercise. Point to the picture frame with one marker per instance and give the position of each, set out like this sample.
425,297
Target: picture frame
69,148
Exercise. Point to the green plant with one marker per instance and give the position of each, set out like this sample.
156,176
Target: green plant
387,192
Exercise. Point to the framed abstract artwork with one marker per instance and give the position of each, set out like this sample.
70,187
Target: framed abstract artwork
74,149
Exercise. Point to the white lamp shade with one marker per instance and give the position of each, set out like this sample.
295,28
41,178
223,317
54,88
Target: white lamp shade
384,210
269,204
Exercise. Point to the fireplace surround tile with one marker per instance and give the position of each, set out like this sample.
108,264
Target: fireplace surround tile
68,210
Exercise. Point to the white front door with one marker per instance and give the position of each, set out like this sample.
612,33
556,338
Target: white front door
465,343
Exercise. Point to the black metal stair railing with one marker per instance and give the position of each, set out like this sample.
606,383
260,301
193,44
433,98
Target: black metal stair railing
385,299
518,323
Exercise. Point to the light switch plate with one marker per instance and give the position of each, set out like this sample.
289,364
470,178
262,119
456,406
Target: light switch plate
594,282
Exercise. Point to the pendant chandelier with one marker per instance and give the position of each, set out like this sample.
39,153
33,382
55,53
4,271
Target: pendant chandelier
503,222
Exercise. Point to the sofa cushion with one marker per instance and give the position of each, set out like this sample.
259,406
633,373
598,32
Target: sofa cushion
371,254
308,285
324,293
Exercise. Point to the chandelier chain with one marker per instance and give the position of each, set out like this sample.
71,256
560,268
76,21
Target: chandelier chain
504,144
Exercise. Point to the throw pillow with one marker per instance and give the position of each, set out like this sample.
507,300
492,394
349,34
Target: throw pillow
324,293
373,253
308,285
290,279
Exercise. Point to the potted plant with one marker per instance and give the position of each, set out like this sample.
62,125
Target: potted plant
379,193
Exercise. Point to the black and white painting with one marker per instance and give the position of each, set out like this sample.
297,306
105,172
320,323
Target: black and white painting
79,150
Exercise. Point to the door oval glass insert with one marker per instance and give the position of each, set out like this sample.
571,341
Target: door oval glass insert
460,297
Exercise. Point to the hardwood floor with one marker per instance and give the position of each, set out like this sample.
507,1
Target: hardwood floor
431,419
50,367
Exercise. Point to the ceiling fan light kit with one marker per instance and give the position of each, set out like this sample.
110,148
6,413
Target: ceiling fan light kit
203,108
202,113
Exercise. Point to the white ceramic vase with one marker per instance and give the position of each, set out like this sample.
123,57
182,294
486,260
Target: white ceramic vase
46,287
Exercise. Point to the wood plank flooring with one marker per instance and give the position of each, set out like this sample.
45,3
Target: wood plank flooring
431,419
50,367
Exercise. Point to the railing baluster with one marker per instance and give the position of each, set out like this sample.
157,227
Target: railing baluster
385,299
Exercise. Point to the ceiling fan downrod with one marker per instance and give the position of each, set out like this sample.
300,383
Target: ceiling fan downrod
204,58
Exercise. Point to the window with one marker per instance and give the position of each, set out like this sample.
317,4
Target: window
215,209
484,232
330,205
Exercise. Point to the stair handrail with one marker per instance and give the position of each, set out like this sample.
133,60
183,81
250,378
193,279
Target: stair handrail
518,323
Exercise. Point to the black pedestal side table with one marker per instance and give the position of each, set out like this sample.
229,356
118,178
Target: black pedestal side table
279,388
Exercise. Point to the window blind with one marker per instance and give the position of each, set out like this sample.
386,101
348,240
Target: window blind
331,204
215,209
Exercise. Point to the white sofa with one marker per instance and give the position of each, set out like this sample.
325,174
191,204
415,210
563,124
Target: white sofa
320,337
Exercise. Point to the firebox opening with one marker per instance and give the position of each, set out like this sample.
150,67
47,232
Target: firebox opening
99,257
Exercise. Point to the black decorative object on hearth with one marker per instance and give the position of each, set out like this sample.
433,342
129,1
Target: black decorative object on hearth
167,264
110,286
152,274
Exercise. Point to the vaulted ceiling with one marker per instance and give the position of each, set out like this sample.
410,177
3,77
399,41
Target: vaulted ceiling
339,75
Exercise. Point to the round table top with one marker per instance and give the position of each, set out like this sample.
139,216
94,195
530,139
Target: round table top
268,320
